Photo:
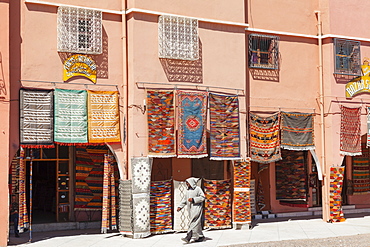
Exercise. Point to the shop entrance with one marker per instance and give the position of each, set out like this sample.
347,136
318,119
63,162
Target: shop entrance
43,191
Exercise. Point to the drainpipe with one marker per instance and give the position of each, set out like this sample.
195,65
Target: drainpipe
124,87
326,182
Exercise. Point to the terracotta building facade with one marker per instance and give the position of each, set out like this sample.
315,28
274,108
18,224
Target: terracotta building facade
102,95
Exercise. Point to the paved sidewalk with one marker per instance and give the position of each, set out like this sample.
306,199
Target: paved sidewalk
268,230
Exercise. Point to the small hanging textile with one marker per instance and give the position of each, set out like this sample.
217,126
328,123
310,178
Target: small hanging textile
109,195
23,215
225,134
161,124
350,131
105,208
36,118
192,124
160,207
264,138
241,205
297,131
217,208
335,200
103,116
70,120
125,207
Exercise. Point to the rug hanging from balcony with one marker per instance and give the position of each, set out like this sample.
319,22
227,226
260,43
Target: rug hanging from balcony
241,202
217,207
297,131
291,177
192,108
89,177
350,131
180,219
36,118
335,199
160,207
161,124
70,120
125,207
141,215
264,138
361,172
103,116
23,222
224,127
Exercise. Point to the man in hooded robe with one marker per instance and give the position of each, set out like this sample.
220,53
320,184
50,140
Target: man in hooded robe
193,199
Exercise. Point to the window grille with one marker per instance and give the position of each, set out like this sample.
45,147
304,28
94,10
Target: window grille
263,51
178,38
79,30
347,57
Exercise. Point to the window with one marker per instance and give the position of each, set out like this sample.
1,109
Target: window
263,51
178,38
79,30
347,57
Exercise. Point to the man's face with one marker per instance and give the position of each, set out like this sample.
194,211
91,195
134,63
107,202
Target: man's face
187,184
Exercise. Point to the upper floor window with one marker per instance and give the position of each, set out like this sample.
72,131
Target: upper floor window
79,30
178,38
263,51
347,57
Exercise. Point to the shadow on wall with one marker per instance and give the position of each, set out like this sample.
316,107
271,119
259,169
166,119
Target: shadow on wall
184,70
265,74
101,60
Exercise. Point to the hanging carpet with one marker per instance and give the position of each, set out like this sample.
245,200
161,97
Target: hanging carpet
160,207
192,108
36,118
125,207
89,177
141,168
291,177
103,117
335,199
241,202
361,172
217,206
161,124
350,131
224,127
70,118
23,222
297,131
181,218
264,138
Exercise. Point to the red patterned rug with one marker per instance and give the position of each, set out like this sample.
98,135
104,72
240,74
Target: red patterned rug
241,204
350,131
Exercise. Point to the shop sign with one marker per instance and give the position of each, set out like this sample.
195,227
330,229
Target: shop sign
79,65
359,84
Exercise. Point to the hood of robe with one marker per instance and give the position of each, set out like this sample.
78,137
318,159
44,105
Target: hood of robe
192,182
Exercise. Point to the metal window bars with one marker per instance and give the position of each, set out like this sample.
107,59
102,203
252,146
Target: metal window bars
79,30
347,57
178,38
263,51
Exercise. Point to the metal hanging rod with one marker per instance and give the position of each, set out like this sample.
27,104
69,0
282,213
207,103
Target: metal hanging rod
279,107
67,83
187,85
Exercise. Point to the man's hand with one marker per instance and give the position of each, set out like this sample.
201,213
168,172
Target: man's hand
190,200
178,209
